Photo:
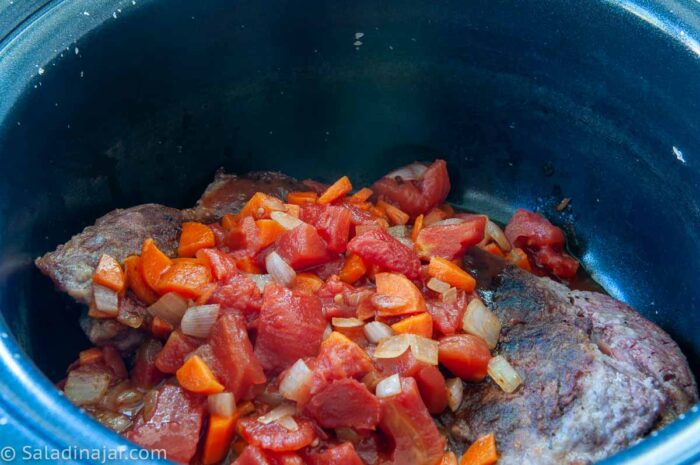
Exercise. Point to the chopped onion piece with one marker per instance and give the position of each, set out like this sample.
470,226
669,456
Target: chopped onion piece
274,204
424,349
260,280
399,231
197,321
86,388
376,331
284,410
482,322
354,298
496,233
388,301
393,346
347,322
285,220
106,300
114,421
455,393
289,423
449,296
409,172
504,374
406,241
388,387
296,382
279,269
438,286
448,222
327,332
171,307
222,404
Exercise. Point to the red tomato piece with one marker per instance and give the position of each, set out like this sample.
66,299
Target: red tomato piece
174,424
404,365
239,292
378,247
240,370
222,265
176,348
286,458
432,388
244,237
407,421
113,360
144,373
529,229
465,355
447,316
291,327
416,196
344,403
276,437
329,269
303,247
450,241
253,455
332,222
559,263
342,454
357,214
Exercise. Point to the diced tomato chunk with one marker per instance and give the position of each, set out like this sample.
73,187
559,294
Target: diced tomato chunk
451,241
447,316
332,222
465,355
173,354
291,327
240,292
432,388
222,265
253,455
173,425
276,437
303,247
144,373
244,237
416,196
404,365
378,247
344,403
328,269
240,370
558,262
407,421
342,454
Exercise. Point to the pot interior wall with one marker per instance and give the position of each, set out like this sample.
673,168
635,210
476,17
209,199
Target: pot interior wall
529,102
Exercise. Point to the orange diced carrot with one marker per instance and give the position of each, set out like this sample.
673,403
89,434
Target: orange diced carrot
519,258
300,198
447,208
136,282
451,273
494,249
153,263
417,226
247,265
292,210
219,436
378,212
433,216
338,189
91,355
395,215
195,236
481,452
353,269
196,376
421,324
269,231
186,278
308,283
361,196
109,273
398,285
228,221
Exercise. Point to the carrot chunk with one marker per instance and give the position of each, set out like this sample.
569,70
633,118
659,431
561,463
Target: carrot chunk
417,226
196,376
481,452
136,282
195,236
492,248
91,355
362,195
308,283
451,273
338,189
228,221
153,263
218,441
260,206
518,257
109,273
247,265
400,287
300,198
421,324
269,231
395,215
188,279
353,269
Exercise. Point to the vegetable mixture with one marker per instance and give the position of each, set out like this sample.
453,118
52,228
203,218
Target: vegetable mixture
323,328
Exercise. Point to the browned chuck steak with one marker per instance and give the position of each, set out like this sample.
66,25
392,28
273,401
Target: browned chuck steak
597,376
121,233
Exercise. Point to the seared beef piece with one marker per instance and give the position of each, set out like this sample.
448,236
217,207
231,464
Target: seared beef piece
229,192
597,376
121,233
